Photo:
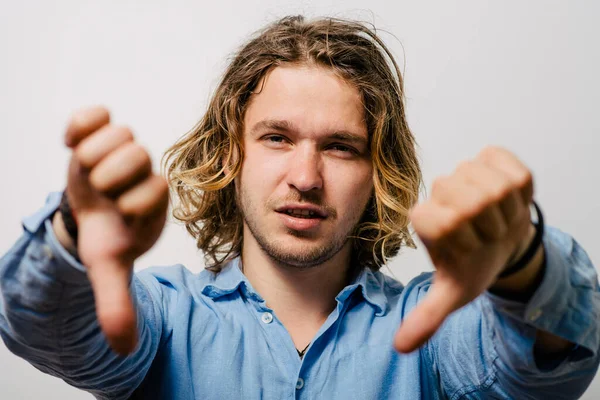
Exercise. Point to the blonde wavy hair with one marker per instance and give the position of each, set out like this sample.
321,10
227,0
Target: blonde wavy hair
202,165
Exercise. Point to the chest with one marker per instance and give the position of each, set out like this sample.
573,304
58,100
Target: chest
248,354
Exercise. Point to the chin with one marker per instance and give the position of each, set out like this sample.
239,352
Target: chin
299,249
300,254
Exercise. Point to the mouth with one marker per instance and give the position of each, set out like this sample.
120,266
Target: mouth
307,214
301,217
303,211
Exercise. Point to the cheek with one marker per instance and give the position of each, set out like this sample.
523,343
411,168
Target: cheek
261,171
351,189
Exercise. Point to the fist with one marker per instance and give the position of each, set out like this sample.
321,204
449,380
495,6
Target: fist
474,222
120,207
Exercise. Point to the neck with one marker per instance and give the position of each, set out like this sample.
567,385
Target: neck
301,298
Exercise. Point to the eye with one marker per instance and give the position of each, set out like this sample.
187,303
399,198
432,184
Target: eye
274,141
342,148
275,138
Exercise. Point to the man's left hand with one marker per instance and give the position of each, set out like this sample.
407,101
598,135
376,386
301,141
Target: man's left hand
474,223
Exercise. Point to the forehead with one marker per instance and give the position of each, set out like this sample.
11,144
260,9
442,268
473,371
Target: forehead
314,99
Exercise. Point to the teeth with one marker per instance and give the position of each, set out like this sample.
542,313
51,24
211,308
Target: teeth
305,213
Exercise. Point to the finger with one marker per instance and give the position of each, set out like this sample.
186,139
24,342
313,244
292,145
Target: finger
122,168
421,323
473,205
497,187
84,122
114,306
146,198
102,142
493,182
506,162
490,224
512,207
442,231
456,193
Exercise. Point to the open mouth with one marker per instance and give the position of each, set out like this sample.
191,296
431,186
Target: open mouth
308,214
301,219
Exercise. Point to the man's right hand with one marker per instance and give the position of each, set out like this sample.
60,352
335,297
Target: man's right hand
120,208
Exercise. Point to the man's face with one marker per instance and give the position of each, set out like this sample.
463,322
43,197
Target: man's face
306,176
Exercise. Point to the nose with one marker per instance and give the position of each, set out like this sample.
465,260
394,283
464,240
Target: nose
304,172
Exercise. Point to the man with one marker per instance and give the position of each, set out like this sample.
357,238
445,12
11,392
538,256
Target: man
298,184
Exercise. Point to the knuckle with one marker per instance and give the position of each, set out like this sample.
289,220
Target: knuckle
142,155
128,206
136,149
77,120
124,206
499,192
124,133
80,119
465,167
162,186
81,155
452,222
470,206
100,110
489,152
146,197
135,154
525,178
444,229
416,215
439,185
98,181
77,124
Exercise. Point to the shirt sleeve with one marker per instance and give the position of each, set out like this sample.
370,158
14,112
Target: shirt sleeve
487,348
47,315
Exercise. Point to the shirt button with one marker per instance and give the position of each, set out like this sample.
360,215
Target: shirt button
535,315
299,383
267,317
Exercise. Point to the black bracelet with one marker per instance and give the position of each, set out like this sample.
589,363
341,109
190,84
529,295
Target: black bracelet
67,217
531,250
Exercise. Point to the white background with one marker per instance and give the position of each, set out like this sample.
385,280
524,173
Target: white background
521,74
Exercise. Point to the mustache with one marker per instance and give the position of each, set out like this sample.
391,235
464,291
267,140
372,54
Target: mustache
313,199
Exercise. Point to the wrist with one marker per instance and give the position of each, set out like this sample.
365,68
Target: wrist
521,249
526,254
63,236
525,269
522,285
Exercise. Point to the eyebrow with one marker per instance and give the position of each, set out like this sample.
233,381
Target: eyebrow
274,124
287,126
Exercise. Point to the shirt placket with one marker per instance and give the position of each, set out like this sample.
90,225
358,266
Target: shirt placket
279,340
297,370
305,379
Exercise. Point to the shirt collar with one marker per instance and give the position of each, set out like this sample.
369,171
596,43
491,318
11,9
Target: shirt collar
371,286
231,278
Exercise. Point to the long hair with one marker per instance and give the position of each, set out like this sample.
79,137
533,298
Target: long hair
202,165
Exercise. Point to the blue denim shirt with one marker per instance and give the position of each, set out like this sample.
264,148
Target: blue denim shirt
211,336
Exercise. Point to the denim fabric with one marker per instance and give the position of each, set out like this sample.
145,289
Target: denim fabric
211,336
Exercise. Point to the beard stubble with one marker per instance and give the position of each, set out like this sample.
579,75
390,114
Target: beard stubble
309,256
